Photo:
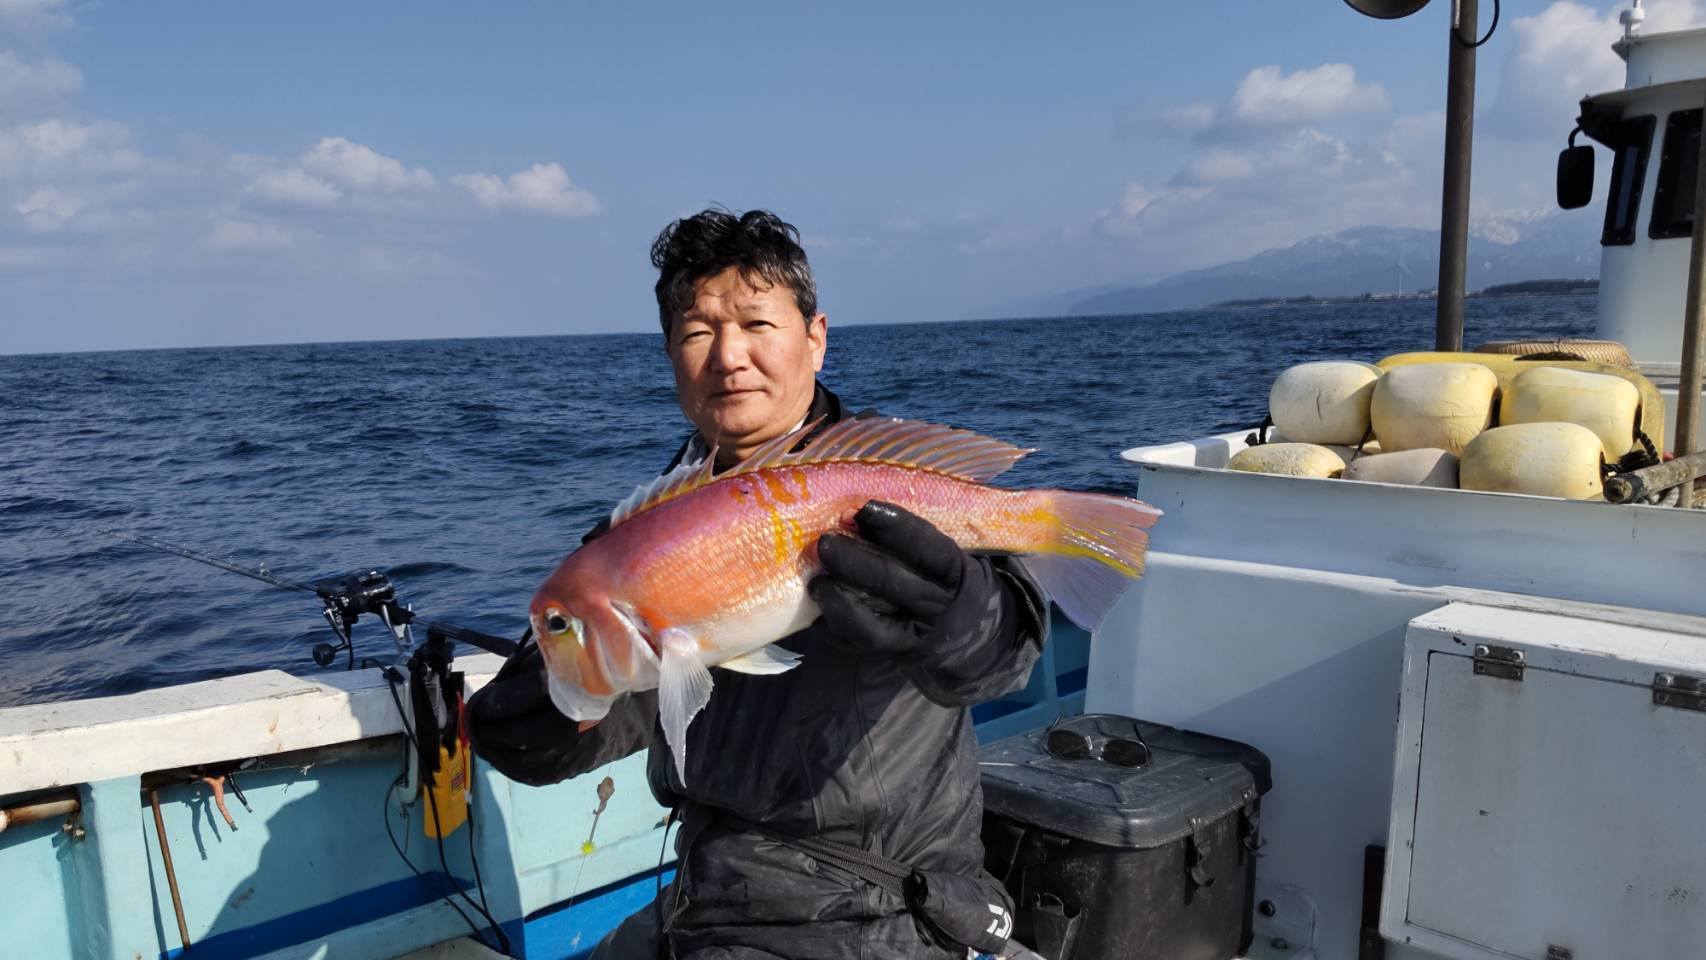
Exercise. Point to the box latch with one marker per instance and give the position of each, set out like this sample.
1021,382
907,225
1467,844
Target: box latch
1197,851
1679,690
1504,663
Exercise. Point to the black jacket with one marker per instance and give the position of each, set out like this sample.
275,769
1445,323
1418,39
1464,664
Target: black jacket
864,751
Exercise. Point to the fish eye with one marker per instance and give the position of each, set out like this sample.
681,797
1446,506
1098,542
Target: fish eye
556,623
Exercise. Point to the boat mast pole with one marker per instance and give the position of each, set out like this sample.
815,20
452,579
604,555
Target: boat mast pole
1454,213
1689,386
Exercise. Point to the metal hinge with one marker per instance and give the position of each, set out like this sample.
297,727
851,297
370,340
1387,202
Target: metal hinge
1502,662
1679,690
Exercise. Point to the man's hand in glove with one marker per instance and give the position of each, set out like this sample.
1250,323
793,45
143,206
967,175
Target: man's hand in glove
906,591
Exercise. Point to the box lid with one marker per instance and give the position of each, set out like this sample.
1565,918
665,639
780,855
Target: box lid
1188,776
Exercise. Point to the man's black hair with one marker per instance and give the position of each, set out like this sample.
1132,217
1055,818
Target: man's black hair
761,244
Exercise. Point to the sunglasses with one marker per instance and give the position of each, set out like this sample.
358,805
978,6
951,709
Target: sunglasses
1123,750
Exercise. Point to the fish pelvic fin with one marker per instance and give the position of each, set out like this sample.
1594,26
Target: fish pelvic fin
912,444
1094,547
764,661
684,687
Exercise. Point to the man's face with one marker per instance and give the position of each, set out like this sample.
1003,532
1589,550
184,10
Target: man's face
745,360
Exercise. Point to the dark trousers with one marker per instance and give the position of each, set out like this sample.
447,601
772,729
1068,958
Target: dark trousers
636,938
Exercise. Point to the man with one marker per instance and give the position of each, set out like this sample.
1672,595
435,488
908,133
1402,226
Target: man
868,744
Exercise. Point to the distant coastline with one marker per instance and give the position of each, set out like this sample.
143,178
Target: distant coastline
1523,288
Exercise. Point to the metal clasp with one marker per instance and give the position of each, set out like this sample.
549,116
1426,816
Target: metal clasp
1679,690
1506,663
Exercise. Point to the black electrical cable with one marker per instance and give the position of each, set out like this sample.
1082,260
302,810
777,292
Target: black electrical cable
663,851
386,814
1490,28
392,678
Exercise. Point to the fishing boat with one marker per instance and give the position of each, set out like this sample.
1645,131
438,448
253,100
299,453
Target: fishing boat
1485,712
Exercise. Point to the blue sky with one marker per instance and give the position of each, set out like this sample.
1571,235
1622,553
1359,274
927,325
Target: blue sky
245,173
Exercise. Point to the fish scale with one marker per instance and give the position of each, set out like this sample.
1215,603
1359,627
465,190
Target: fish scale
701,569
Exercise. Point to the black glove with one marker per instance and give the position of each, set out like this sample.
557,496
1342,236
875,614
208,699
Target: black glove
909,592
513,724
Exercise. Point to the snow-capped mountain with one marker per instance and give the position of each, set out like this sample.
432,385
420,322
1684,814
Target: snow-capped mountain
1504,248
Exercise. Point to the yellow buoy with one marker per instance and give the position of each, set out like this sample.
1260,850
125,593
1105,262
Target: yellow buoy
1542,459
1439,405
1604,404
1423,467
1289,460
1323,402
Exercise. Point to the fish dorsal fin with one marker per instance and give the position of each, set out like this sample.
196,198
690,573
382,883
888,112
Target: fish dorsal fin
913,444
900,443
684,478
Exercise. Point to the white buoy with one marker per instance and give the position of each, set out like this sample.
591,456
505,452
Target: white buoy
1540,459
1432,405
1605,404
1325,401
1423,467
1289,460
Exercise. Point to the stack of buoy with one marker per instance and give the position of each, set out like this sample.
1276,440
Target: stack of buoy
1542,430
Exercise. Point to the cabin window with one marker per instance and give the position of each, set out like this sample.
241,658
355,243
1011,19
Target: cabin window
1632,142
1679,165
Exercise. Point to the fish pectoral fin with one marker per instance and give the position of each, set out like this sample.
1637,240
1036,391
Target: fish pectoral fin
684,687
764,661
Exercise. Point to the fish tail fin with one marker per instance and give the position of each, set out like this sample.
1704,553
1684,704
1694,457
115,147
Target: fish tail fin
1093,548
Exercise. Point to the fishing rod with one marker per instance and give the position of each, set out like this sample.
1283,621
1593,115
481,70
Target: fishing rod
343,599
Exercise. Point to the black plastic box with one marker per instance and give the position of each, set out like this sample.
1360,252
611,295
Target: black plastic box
1106,861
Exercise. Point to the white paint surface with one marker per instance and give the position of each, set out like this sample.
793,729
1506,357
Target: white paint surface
256,714
1558,810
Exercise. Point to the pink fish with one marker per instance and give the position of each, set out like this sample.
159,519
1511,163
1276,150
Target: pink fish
701,569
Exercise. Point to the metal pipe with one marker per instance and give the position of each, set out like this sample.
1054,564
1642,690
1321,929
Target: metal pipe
171,875
34,812
1688,388
1632,486
1454,210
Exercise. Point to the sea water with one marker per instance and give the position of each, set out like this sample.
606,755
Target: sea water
466,469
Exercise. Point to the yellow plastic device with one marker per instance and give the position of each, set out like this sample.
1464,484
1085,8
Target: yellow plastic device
447,802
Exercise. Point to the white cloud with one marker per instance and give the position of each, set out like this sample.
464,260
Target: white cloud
54,146
47,209
294,187
542,189
1188,118
1218,165
1137,197
1270,97
1563,53
34,14
242,235
362,167
1226,203
1268,102
30,86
